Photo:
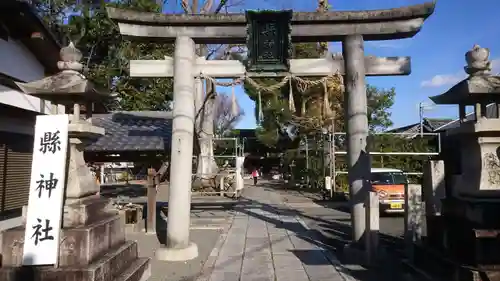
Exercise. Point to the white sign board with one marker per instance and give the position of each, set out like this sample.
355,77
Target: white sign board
328,183
48,177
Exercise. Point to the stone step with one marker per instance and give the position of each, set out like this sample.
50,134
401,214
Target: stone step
106,268
138,270
113,263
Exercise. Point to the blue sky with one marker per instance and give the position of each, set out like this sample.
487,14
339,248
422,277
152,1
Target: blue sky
437,52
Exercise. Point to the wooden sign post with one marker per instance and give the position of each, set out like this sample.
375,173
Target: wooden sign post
46,196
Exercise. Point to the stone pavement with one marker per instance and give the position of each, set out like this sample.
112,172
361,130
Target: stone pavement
267,241
329,223
269,234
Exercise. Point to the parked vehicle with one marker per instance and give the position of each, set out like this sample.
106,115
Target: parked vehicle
390,186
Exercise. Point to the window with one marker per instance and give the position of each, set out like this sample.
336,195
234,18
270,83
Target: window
381,178
388,178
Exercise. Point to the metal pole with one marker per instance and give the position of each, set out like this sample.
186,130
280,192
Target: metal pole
307,162
333,173
421,114
323,157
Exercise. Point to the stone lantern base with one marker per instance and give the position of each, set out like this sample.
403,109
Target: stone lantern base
92,241
97,251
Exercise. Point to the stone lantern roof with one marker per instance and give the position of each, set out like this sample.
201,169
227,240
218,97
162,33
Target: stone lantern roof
67,87
479,87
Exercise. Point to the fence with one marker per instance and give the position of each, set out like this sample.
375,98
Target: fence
323,154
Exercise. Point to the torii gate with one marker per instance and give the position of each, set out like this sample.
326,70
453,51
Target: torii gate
350,27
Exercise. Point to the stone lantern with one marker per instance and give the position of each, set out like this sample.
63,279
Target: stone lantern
92,245
470,225
72,89
479,134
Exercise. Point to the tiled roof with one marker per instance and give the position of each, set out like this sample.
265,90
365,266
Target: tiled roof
436,123
133,131
430,125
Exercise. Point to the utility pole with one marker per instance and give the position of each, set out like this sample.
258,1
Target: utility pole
421,117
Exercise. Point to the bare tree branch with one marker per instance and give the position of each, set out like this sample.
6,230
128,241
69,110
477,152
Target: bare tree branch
225,119
207,7
185,6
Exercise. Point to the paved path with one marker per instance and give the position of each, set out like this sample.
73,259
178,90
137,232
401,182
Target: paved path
329,223
313,204
268,241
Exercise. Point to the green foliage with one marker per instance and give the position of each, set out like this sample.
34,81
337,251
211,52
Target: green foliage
379,102
275,108
107,55
407,163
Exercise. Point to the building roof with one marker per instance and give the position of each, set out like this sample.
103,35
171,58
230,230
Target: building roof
23,24
430,125
434,125
133,131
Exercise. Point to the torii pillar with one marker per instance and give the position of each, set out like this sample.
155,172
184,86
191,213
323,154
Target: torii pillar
358,157
179,247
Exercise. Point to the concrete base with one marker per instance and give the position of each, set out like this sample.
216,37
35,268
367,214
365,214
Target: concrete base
93,252
175,254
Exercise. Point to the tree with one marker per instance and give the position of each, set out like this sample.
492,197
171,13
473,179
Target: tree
106,55
379,103
227,114
276,113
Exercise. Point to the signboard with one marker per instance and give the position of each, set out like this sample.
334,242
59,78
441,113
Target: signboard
46,196
269,40
328,183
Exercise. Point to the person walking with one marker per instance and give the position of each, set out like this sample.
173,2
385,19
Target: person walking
255,175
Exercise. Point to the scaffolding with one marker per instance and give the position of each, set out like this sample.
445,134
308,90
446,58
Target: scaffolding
429,141
322,156
228,181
